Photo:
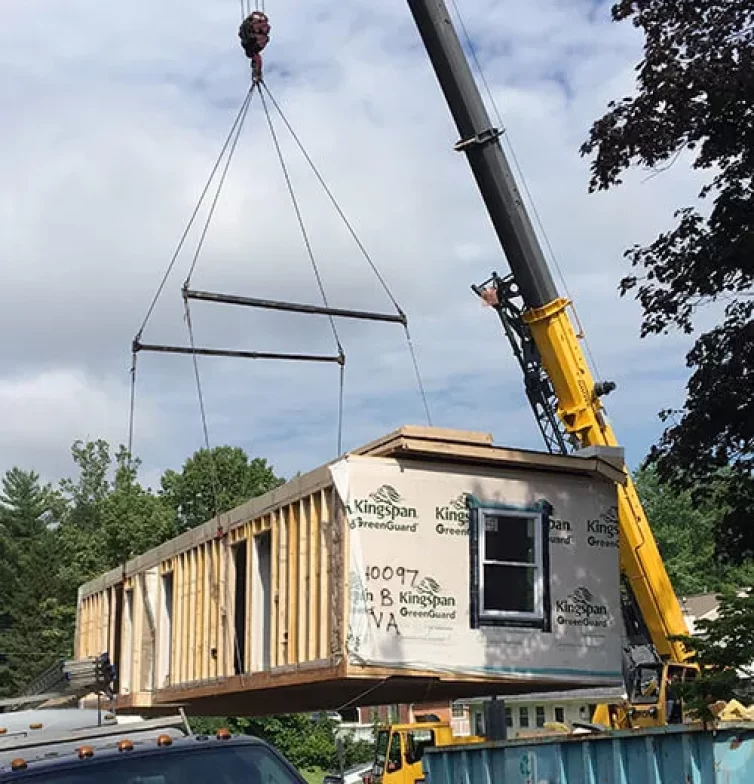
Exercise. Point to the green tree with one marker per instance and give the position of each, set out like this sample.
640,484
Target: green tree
215,481
685,534
133,519
724,649
695,95
306,741
30,636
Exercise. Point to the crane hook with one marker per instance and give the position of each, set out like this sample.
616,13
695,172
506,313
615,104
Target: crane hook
255,35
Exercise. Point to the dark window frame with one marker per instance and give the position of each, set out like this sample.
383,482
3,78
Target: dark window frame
479,511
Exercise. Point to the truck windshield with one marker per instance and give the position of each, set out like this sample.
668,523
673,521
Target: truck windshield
227,765
380,753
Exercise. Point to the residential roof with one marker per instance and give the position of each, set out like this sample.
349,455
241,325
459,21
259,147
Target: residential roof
699,605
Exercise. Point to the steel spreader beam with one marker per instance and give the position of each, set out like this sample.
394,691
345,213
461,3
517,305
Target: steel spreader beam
293,307
217,352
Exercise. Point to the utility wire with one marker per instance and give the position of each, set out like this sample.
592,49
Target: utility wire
186,231
522,178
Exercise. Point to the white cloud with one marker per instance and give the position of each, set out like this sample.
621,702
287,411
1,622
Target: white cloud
111,132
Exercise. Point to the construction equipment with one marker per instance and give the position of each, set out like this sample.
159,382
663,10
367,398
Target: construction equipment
400,748
64,681
560,386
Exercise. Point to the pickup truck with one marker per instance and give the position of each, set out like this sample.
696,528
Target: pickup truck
157,751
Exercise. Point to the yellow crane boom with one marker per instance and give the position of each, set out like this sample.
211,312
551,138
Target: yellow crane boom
556,372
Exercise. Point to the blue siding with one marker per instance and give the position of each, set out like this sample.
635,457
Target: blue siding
672,755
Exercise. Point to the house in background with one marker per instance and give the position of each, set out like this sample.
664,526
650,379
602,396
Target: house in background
533,711
698,607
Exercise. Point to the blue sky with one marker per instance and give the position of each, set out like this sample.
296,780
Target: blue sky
111,123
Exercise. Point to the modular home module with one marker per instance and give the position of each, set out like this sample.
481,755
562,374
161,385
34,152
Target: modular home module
428,564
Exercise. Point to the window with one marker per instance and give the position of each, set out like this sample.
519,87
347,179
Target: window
560,714
540,715
523,717
458,710
394,754
508,717
510,564
416,742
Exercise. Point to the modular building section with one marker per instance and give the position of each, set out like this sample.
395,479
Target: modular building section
427,565
675,754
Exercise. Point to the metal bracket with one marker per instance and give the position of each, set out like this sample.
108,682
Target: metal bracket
485,137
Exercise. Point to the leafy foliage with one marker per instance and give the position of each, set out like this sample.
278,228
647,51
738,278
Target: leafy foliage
52,539
723,649
29,633
685,532
695,96
308,742
214,482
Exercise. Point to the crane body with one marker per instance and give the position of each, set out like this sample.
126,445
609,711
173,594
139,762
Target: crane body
559,383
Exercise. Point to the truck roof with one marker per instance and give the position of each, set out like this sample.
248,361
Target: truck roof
132,753
21,724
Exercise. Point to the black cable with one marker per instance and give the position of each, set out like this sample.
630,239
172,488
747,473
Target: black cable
220,184
360,245
173,260
300,219
202,410
419,381
132,407
334,201
340,408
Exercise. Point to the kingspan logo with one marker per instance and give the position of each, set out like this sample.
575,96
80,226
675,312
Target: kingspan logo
384,509
427,600
603,531
453,518
581,608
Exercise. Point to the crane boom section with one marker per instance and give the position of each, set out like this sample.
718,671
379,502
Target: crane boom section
546,314
582,414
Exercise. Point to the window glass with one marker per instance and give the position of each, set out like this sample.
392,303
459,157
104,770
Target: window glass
523,717
458,710
540,716
509,588
394,760
416,742
228,765
509,538
508,566
508,717
559,714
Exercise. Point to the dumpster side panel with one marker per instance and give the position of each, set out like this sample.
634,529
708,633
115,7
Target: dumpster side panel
680,756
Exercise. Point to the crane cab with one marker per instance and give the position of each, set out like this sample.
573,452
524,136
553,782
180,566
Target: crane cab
654,697
400,748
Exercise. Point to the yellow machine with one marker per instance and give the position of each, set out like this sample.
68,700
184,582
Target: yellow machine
400,748
562,391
